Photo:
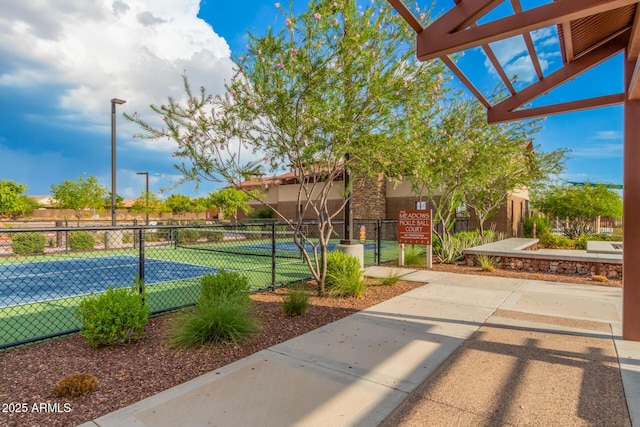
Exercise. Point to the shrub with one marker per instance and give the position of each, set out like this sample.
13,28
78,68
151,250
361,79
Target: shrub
344,275
486,262
553,241
225,285
117,316
542,226
75,385
212,235
221,321
188,235
28,243
262,213
295,303
81,241
127,237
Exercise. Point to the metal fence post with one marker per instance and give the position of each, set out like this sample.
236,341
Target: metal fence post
141,257
273,255
378,252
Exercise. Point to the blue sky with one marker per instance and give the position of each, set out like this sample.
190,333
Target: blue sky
63,62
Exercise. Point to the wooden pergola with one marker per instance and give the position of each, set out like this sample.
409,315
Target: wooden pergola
590,32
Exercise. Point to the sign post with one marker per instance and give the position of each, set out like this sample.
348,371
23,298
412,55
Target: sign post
414,227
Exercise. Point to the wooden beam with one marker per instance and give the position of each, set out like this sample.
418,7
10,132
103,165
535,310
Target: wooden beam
438,40
633,51
463,78
406,14
568,42
569,71
633,90
548,110
462,15
517,8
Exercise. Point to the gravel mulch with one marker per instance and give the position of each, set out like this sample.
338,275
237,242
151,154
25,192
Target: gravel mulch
130,373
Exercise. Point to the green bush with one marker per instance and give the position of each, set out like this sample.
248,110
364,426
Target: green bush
225,285
344,275
553,241
127,237
81,241
296,302
117,316
212,235
188,235
28,243
212,321
542,226
262,213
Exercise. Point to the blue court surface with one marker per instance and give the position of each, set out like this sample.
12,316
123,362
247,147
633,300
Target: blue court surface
41,281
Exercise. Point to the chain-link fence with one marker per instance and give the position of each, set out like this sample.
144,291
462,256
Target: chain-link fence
45,272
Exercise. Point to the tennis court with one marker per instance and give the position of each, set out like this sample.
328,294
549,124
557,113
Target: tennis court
47,280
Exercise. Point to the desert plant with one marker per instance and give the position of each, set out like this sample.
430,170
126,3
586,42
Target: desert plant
75,385
28,243
212,322
296,302
81,241
486,262
225,285
344,275
117,316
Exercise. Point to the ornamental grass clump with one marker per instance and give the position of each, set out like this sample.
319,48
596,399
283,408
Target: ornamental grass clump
391,279
222,315
296,302
344,275
116,316
486,262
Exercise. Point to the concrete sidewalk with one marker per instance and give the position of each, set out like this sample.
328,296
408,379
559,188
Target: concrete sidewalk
357,370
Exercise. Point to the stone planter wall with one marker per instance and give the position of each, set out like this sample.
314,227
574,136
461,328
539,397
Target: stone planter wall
538,265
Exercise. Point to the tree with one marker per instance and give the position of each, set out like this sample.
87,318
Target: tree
156,204
12,200
79,195
229,200
179,204
580,205
106,200
320,97
199,205
458,158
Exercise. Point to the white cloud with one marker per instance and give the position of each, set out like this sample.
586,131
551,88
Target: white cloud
608,135
513,55
600,151
99,50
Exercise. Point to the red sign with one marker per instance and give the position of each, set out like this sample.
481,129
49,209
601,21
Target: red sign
414,227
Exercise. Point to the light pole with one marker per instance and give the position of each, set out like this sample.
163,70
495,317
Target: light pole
146,174
114,101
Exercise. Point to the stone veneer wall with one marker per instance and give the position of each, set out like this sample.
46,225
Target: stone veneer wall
369,197
535,265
